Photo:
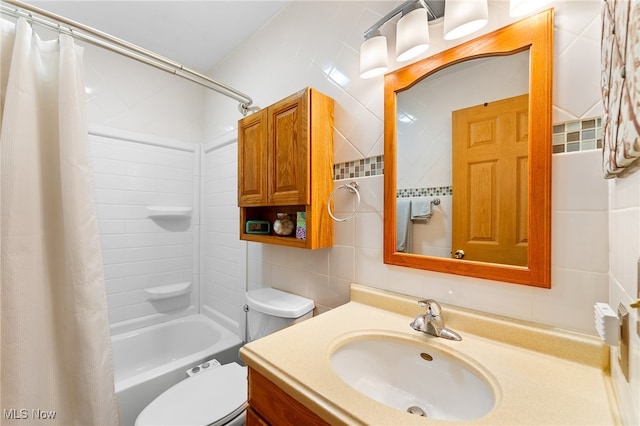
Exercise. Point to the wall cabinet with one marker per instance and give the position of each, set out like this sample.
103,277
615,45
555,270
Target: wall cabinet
285,165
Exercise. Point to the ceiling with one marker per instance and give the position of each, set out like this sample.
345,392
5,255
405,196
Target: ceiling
197,34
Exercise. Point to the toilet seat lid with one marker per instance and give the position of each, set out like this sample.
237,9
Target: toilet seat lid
278,303
204,399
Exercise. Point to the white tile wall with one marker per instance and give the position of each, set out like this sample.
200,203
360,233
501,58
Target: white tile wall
311,41
223,254
128,95
133,171
624,229
308,42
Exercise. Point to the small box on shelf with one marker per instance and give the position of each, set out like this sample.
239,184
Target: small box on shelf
301,225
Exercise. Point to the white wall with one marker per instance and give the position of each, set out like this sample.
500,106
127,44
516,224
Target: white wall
307,44
137,102
223,254
595,223
127,95
624,239
132,172
316,44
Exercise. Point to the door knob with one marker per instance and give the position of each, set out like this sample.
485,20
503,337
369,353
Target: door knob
459,254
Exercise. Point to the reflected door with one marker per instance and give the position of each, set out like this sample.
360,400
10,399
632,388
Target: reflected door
490,156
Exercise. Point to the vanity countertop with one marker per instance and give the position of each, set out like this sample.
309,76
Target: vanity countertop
543,376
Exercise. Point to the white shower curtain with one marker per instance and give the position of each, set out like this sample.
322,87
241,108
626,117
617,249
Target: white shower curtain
56,365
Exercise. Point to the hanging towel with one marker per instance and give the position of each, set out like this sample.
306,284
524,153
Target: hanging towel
403,208
421,208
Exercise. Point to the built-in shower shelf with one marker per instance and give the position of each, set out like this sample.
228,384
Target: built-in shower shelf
168,291
168,211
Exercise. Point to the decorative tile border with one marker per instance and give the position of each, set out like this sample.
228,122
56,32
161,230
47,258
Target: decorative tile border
578,135
371,166
568,136
436,191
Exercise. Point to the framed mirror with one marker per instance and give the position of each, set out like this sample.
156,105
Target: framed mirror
467,180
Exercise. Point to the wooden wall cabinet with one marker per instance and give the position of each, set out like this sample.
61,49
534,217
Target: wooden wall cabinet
285,165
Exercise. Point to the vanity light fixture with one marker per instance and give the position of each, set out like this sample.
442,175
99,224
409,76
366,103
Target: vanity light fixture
412,33
524,7
373,55
461,17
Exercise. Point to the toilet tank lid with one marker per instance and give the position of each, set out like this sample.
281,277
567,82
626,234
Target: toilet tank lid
278,303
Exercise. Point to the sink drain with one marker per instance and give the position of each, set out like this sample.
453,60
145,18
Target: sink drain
426,356
415,410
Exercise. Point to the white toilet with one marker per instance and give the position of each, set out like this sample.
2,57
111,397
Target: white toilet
218,396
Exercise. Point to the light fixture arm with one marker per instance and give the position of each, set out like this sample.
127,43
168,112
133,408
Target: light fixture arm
405,7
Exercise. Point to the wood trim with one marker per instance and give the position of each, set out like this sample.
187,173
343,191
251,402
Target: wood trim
534,33
321,178
254,419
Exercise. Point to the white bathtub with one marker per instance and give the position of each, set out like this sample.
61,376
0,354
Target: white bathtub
152,359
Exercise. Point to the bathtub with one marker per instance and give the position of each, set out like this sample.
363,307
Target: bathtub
150,360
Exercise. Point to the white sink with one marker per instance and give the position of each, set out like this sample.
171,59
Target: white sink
418,379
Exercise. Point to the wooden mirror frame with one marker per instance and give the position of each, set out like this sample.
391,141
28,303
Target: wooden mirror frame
536,34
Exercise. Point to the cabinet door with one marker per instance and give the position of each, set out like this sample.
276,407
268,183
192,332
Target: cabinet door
288,153
252,155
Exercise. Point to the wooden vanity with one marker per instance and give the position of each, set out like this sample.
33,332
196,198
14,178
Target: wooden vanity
270,405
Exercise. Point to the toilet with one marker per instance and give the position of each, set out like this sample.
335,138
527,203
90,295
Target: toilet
218,396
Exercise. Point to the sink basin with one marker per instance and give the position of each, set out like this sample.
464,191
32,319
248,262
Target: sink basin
421,380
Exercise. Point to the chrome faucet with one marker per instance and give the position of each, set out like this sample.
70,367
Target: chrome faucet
432,321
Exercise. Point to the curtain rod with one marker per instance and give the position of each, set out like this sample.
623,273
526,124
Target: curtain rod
121,47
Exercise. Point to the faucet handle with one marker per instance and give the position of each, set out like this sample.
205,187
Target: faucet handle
433,308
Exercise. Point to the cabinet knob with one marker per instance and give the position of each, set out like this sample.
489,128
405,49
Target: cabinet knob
635,304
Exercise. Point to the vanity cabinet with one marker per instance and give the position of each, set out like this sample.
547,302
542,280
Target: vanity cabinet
270,405
285,165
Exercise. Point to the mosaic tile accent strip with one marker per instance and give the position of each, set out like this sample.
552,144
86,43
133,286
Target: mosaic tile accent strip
438,191
579,135
372,166
569,136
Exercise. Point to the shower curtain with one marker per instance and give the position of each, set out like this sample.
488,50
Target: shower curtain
55,357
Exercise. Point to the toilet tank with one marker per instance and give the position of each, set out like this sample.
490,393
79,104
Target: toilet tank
270,310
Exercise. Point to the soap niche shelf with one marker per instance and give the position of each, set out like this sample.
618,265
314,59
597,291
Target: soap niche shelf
163,212
168,291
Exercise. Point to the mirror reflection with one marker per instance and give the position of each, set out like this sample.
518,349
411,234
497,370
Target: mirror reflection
462,162
440,113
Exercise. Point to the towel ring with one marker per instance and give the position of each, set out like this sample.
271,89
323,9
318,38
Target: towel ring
353,188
